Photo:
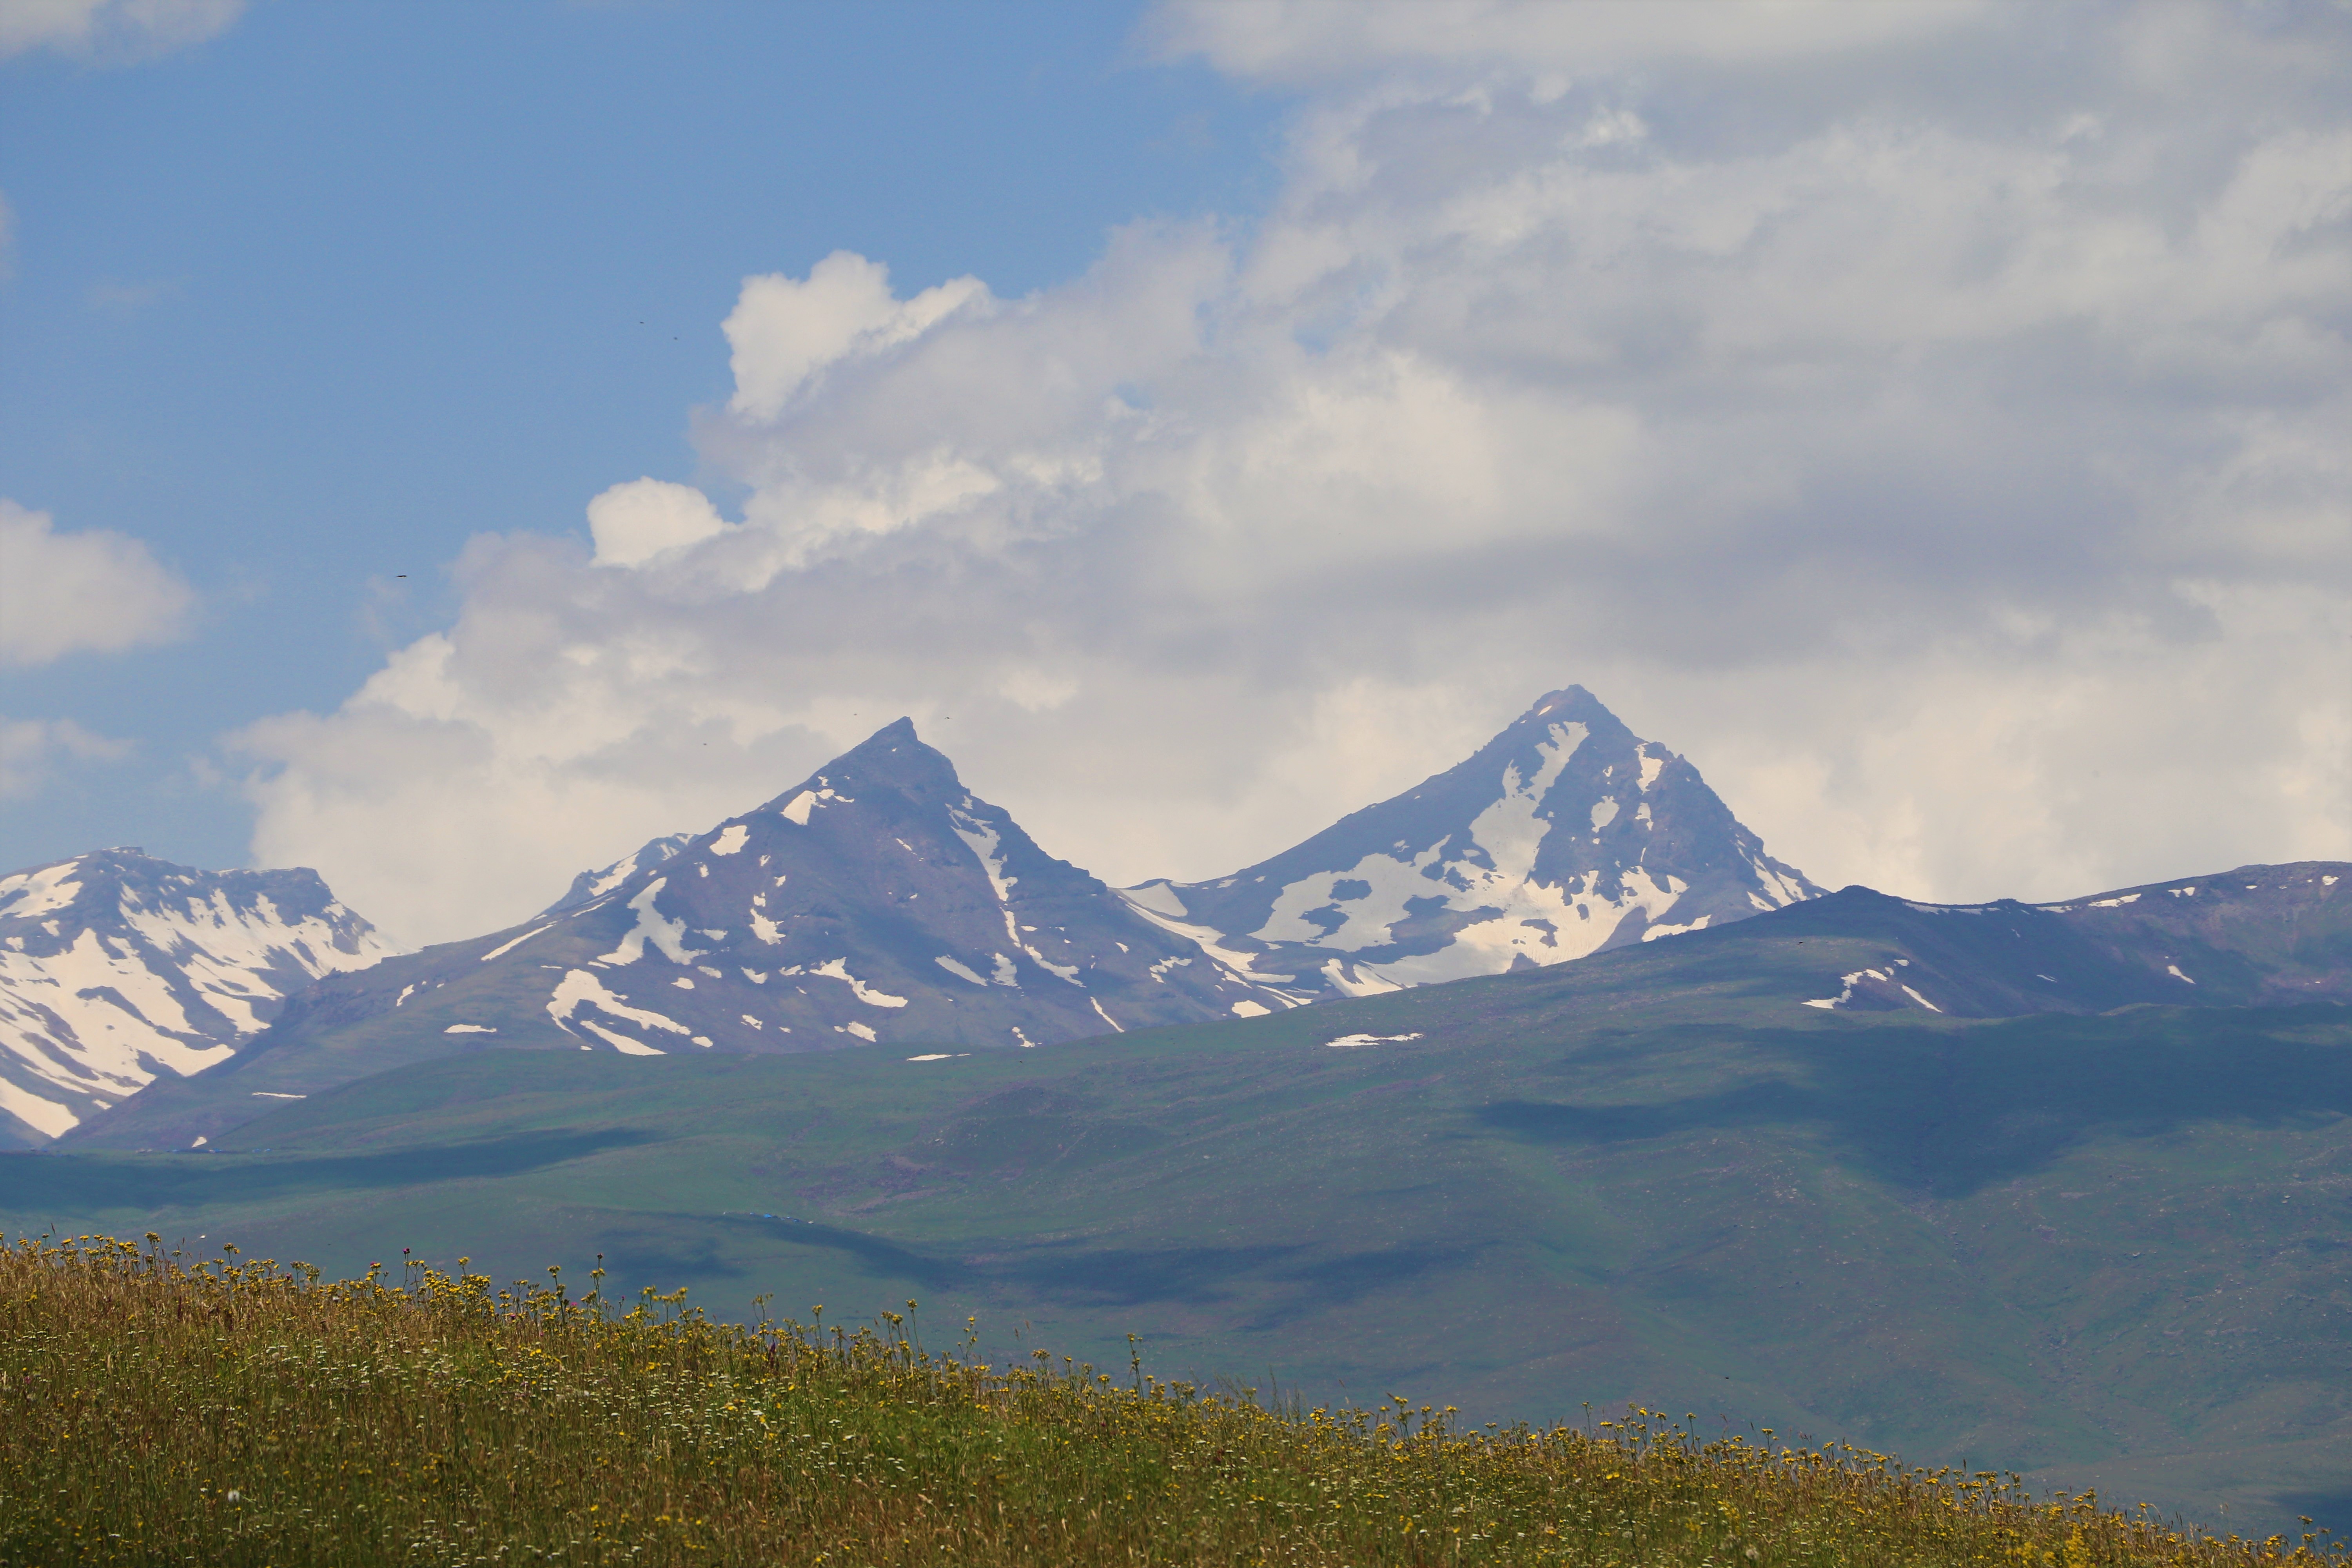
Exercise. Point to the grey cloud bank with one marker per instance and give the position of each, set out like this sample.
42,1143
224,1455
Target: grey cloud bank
1929,419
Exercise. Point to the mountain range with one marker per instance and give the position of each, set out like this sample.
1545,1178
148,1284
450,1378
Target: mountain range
880,902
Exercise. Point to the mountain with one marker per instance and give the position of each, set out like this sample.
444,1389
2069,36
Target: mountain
1564,836
2257,936
592,884
878,902
117,969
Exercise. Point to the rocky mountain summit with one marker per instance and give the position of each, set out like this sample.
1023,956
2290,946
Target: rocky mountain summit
877,900
1564,834
117,968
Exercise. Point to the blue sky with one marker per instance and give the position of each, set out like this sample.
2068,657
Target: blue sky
447,446
307,304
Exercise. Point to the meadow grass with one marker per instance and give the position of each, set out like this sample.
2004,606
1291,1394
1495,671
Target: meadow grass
157,1408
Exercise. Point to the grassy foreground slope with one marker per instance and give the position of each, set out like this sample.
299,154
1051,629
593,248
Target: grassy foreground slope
164,1410
2097,1249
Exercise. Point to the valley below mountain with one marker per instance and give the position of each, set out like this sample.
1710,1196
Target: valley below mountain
2095,1246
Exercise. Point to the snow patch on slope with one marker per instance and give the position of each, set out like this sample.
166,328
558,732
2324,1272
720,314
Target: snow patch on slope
798,809
504,948
838,969
578,989
987,847
1211,942
40,891
667,936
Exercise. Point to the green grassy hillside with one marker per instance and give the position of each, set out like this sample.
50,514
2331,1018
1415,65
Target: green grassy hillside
2102,1249
165,1409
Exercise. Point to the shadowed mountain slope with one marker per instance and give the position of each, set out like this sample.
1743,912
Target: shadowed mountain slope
2258,935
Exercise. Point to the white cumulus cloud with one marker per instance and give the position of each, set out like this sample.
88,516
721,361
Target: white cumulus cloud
784,330
1956,475
91,590
636,522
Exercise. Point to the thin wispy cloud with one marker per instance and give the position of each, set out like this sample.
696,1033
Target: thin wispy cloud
115,298
35,752
113,32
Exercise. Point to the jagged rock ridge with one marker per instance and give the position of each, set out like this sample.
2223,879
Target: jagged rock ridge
592,884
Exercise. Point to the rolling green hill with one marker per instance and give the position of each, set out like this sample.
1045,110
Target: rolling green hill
2100,1249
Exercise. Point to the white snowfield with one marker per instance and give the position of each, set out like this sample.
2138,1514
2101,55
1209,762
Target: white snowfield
507,947
169,980
798,809
838,969
959,970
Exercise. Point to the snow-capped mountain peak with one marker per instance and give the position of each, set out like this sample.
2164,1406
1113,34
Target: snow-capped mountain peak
116,968
1564,834
878,902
